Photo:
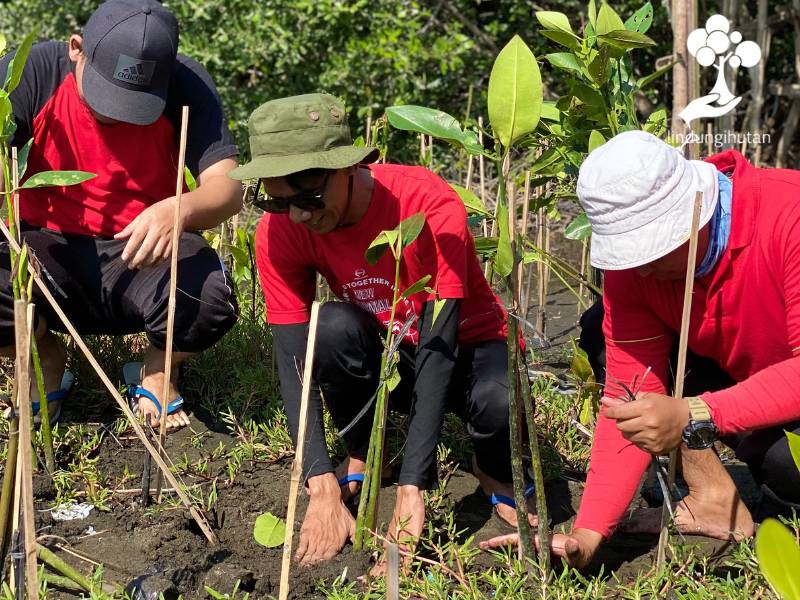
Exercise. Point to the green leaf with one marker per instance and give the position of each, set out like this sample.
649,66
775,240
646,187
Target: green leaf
472,203
559,37
7,124
554,21
592,13
579,365
486,247
56,178
269,530
596,140
191,183
416,287
438,305
657,122
22,159
215,594
779,558
504,259
641,20
380,245
626,40
550,112
794,447
579,229
410,228
515,92
17,64
2,44
394,378
546,161
565,61
607,20
648,79
433,122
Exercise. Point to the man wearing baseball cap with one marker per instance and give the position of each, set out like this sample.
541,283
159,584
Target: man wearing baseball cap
325,204
109,102
743,383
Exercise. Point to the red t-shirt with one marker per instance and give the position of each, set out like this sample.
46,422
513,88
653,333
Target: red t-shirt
745,315
136,166
289,255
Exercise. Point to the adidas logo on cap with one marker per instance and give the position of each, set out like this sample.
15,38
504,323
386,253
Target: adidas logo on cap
134,70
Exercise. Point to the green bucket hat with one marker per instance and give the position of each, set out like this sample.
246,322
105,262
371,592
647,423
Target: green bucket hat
298,133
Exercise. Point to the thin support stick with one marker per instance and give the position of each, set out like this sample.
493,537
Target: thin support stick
482,175
173,284
15,184
393,572
297,464
680,370
540,268
23,321
112,389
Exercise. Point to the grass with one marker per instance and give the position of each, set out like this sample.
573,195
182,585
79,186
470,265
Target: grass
243,405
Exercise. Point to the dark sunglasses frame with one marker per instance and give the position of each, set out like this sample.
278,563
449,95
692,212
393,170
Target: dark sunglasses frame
304,200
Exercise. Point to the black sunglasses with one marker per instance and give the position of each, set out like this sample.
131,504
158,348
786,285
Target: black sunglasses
304,200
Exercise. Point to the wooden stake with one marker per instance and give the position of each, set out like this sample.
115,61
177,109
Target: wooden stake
541,272
173,285
481,173
683,343
112,389
23,322
368,133
297,464
393,572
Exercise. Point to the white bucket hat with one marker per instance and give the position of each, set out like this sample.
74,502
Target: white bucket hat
638,193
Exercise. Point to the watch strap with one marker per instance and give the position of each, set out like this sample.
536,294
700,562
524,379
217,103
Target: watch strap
698,409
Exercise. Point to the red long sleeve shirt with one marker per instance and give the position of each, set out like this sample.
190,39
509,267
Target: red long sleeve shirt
745,314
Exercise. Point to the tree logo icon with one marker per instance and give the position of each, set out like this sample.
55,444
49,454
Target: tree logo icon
716,45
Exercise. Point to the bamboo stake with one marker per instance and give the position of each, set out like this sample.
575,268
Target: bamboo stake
9,478
468,178
137,428
15,538
584,258
540,268
15,183
393,574
683,343
23,321
297,464
173,285
54,562
710,139
367,134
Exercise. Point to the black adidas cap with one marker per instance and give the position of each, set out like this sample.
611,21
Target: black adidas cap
130,48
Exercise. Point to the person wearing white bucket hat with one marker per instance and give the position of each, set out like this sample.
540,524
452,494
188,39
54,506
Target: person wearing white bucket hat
743,372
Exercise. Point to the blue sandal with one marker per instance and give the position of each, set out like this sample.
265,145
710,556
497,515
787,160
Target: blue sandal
496,499
132,375
58,396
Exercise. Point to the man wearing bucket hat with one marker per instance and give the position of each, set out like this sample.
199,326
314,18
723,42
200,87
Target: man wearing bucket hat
743,372
325,203
109,102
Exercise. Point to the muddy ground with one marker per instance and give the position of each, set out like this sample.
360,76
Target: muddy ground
169,553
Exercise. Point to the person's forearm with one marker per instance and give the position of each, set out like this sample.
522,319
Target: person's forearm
768,398
435,362
216,199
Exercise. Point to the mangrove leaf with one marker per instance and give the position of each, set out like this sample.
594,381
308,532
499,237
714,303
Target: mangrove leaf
17,64
515,92
554,21
416,287
794,447
436,123
56,178
579,229
779,558
410,228
472,203
269,530
641,20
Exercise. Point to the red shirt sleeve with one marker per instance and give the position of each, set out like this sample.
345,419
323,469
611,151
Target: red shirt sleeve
444,240
635,339
769,397
287,279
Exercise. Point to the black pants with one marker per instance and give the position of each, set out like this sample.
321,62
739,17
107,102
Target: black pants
347,364
101,295
765,451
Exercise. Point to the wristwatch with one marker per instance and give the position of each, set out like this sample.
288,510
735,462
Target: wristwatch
700,433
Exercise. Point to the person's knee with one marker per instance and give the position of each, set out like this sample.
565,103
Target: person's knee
205,309
339,323
489,418
779,472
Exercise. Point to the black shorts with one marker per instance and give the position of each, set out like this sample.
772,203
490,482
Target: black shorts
100,295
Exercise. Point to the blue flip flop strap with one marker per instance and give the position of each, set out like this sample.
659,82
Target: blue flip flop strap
501,499
56,396
137,390
359,477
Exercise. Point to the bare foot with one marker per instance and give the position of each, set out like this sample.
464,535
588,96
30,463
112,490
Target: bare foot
155,383
491,486
715,518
